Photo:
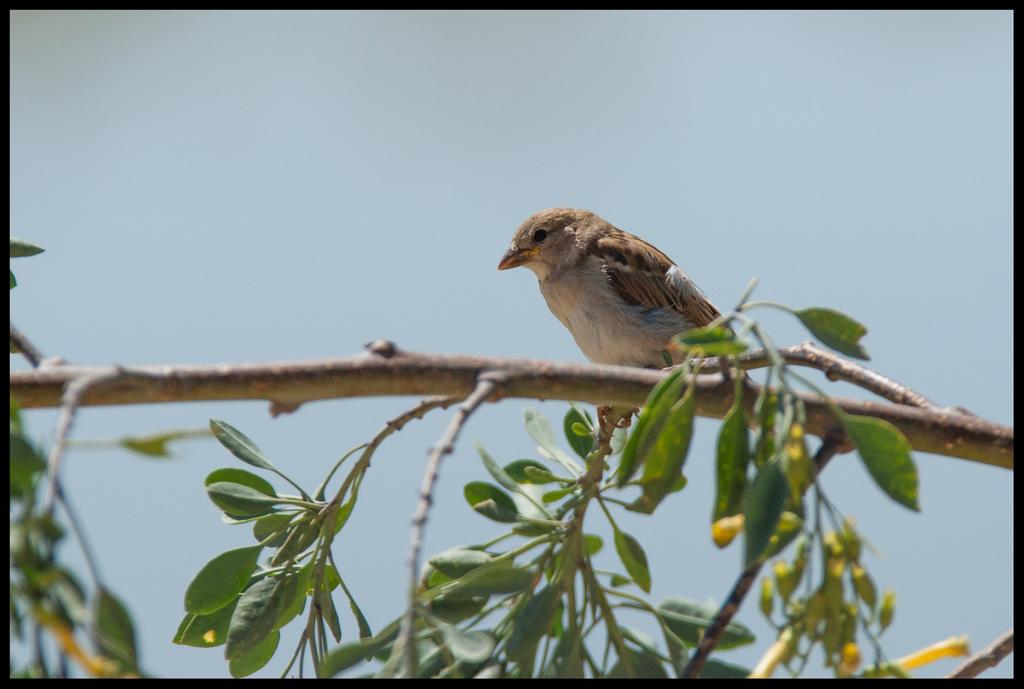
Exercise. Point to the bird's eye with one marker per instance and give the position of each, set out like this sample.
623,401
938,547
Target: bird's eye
540,235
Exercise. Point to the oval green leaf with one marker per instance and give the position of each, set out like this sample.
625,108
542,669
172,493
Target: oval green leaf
242,477
256,657
113,631
886,455
835,329
255,615
762,506
664,453
574,422
712,341
648,424
530,625
239,445
490,501
205,631
221,580
731,464
633,559
688,620
456,562
273,527
240,501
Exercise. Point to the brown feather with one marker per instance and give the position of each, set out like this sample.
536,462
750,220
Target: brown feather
639,274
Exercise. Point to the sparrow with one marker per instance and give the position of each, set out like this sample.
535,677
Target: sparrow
621,298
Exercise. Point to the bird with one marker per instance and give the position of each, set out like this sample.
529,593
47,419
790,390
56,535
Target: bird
622,299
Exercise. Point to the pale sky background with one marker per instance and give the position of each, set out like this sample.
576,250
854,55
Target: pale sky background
245,187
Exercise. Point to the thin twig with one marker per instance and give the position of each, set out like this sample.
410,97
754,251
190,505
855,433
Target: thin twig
941,431
983,660
723,617
28,350
91,563
834,367
71,400
485,387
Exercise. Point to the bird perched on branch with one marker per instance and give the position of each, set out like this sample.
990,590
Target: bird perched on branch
621,298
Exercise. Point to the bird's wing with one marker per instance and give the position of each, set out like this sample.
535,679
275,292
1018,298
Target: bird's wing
643,275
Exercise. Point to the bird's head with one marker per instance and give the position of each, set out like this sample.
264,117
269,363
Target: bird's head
545,240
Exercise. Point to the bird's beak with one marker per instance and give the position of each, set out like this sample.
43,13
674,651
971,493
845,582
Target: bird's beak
515,256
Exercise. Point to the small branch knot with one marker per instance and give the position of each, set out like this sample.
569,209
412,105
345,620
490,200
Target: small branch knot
384,348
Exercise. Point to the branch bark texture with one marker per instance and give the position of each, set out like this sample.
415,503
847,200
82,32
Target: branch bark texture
386,370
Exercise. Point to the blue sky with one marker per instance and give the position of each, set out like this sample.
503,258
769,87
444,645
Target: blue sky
242,187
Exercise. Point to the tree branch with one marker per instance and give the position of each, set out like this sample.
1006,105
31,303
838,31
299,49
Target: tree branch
485,387
834,367
389,371
989,658
27,349
70,401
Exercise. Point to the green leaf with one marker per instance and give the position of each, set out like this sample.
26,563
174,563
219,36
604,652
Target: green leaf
21,248
25,465
642,665
581,443
256,657
495,577
764,445
455,562
557,494
529,626
633,559
275,525
540,430
712,341
221,580
301,535
717,669
762,506
490,501
242,477
835,329
648,424
508,482
731,466
469,647
677,652
592,544
14,283
454,611
689,620
205,631
347,655
295,588
155,445
329,613
240,501
886,455
255,615
113,631
364,626
239,445
664,454
529,471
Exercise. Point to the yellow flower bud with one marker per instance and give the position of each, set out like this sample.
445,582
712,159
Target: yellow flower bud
849,659
786,579
815,611
767,597
864,587
725,530
887,610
